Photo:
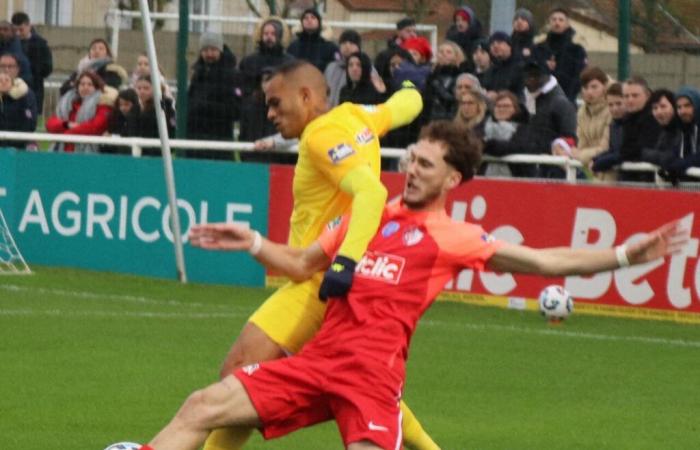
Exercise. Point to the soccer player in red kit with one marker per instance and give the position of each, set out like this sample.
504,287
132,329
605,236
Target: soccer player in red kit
354,368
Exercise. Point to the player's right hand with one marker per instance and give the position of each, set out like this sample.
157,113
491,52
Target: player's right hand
221,236
338,278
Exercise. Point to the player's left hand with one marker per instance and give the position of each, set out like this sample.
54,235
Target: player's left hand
221,236
663,241
338,278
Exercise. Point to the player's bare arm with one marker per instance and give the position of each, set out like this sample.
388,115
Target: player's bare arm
297,264
562,261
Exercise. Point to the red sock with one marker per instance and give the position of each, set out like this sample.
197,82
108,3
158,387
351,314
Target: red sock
146,447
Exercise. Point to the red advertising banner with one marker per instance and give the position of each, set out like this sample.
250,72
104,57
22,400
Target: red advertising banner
557,214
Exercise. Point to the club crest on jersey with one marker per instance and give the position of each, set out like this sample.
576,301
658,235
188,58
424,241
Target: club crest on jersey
364,137
334,223
390,228
412,236
380,266
250,369
369,108
340,152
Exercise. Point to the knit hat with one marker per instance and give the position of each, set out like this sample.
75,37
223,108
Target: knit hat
419,44
210,39
350,36
526,15
312,11
499,36
535,65
405,22
483,44
465,13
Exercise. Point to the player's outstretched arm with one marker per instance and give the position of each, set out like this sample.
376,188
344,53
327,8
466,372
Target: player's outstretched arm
295,263
563,261
405,105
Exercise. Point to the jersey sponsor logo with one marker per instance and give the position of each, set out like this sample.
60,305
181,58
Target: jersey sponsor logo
390,228
250,369
412,236
364,137
340,152
334,223
369,108
381,266
374,427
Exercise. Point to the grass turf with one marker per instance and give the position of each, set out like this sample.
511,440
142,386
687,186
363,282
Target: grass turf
89,358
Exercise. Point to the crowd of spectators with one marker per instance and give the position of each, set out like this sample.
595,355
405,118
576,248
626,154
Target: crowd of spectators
520,91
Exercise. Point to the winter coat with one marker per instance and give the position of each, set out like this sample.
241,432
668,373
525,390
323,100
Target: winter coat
383,59
111,73
592,128
148,124
522,44
504,76
313,48
123,126
41,63
639,129
212,103
91,115
18,112
439,96
571,59
466,40
363,91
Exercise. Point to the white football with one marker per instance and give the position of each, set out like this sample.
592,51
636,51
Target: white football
124,446
555,302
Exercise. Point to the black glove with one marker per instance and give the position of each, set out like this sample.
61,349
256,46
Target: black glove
338,278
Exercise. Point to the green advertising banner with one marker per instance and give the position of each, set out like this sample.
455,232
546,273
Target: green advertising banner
111,212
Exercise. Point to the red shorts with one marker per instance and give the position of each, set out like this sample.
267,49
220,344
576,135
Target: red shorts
296,392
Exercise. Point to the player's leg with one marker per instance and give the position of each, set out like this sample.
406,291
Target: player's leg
222,404
282,324
364,445
414,436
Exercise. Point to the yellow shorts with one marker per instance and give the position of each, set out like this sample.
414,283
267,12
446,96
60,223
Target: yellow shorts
292,315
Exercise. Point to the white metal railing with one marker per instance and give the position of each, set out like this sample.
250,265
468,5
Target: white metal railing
137,144
117,14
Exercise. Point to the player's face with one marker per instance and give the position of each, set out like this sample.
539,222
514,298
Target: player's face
685,109
427,175
285,107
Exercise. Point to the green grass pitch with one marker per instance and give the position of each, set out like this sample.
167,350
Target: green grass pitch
88,359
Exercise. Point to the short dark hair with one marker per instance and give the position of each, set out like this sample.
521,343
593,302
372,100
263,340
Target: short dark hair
614,89
639,80
463,149
658,94
558,9
593,73
19,18
289,67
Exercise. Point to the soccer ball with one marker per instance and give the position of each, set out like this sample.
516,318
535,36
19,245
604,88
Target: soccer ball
124,446
556,303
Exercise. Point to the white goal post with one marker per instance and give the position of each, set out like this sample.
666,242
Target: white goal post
11,260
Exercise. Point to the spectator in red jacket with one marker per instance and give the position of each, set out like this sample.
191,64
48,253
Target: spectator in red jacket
85,110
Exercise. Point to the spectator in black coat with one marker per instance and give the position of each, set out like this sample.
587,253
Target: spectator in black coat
465,30
480,61
310,45
98,60
568,58
506,71
359,87
272,36
523,36
663,108
687,154
212,103
439,101
38,53
405,29
17,108
552,119
124,120
9,43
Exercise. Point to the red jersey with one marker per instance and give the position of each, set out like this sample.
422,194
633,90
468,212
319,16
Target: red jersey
407,264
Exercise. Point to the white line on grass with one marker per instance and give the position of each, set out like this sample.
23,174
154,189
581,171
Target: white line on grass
117,297
117,314
570,334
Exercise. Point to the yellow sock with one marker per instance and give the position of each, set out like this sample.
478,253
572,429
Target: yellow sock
231,438
414,436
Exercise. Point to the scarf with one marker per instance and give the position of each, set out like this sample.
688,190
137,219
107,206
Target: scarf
86,111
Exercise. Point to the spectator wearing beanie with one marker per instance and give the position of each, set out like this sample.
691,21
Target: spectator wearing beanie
480,60
405,29
213,105
310,45
569,57
506,71
523,36
350,43
465,30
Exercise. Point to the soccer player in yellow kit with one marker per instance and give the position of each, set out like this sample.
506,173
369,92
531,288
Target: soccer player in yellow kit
337,171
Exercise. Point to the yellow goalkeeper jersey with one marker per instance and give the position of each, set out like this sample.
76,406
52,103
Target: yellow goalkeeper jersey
331,145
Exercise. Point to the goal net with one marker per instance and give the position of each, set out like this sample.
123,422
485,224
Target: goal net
11,260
